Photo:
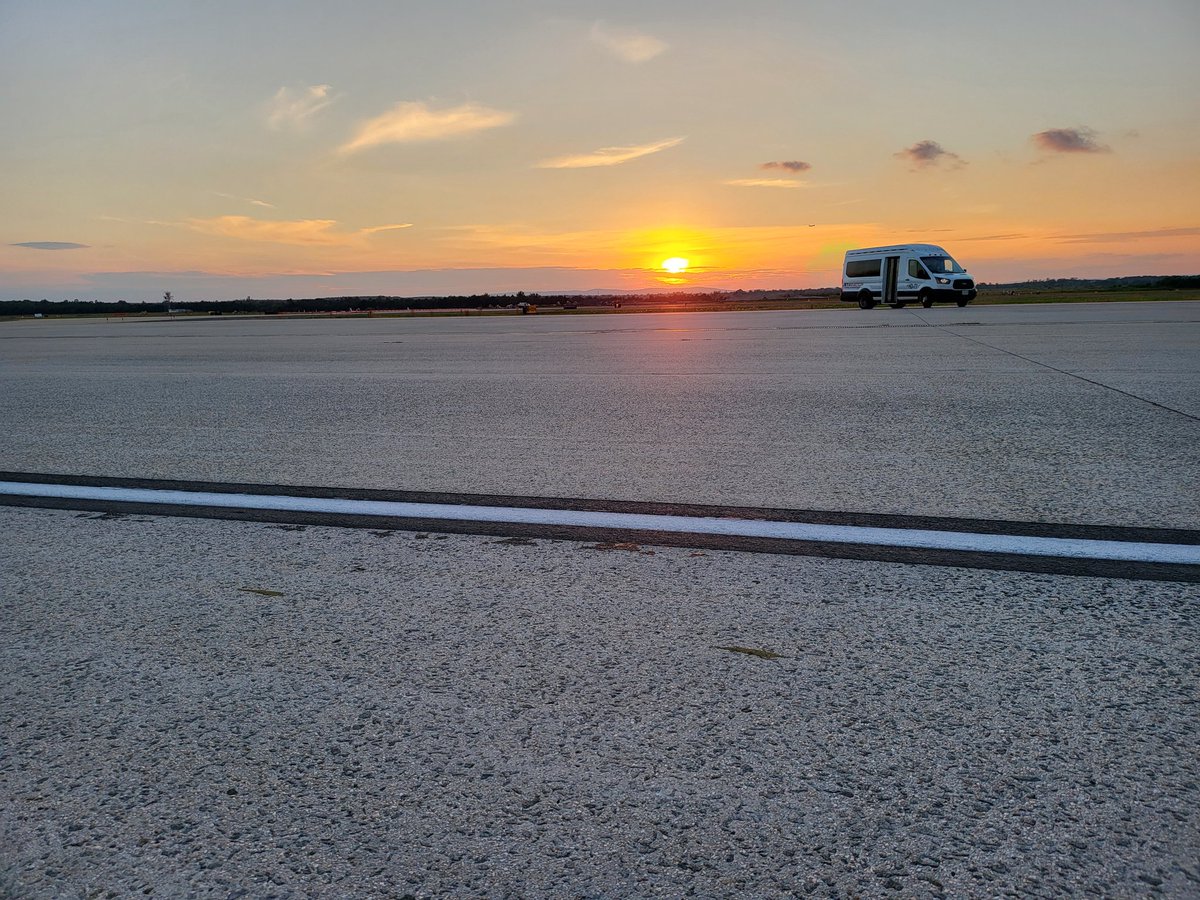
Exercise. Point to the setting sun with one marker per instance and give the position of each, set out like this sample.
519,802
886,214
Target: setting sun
675,264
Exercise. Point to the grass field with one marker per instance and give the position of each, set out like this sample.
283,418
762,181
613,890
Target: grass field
986,296
665,303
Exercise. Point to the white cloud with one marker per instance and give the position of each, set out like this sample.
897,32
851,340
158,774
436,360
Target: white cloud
766,182
631,46
607,156
249,200
375,229
293,109
409,121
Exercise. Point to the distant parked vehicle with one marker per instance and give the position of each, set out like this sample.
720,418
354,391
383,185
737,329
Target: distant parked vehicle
902,274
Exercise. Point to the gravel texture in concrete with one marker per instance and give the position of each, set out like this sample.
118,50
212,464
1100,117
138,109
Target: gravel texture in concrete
215,709
1076,413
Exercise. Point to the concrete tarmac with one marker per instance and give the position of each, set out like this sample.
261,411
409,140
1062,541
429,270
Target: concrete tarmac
213,709
209,708
1019,412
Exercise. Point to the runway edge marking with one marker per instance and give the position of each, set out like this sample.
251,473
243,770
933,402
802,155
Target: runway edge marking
1116,552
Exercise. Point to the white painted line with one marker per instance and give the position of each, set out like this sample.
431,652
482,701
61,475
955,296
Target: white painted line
1129,551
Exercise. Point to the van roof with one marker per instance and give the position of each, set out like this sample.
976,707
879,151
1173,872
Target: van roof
925,249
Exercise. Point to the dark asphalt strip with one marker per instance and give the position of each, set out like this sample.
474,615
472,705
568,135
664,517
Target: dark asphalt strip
639,507
1067,565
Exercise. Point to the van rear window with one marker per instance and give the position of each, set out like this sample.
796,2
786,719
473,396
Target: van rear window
862,268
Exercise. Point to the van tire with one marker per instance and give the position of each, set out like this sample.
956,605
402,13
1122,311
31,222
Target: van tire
866,300
926,299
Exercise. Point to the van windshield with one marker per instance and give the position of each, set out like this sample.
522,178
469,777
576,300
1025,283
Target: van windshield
942,265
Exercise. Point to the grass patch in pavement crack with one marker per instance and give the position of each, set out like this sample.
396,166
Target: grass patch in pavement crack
753,651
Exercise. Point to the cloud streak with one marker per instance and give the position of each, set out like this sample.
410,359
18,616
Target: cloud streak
1069,140
302,232
375,229
928,155
249,200
411,122
789,165
607,156
766,182
292,109
50,245
1011,236
630,46
1105,236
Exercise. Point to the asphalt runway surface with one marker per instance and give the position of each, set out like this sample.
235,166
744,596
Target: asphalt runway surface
928,412
196,707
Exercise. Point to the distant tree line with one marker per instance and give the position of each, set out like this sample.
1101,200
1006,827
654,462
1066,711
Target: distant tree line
332,304
494,301
1122,283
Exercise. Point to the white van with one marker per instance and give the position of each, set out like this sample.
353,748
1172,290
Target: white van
905,273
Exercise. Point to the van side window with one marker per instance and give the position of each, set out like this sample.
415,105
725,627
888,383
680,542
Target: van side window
862,268
916,270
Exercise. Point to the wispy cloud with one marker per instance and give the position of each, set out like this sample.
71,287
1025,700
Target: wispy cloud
1069,140
631,46
1106,236
766,182
126,221
375,229
412,121
293,108
295,231
1012,236
930,154
607,156
249,200
50,245
788,165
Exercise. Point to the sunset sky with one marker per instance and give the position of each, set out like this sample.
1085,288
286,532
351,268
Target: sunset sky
299,149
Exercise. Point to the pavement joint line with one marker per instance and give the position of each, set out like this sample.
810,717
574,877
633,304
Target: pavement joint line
946,326
1072,548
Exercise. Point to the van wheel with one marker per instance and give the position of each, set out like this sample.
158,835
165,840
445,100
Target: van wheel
865,300
962,302
926,299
